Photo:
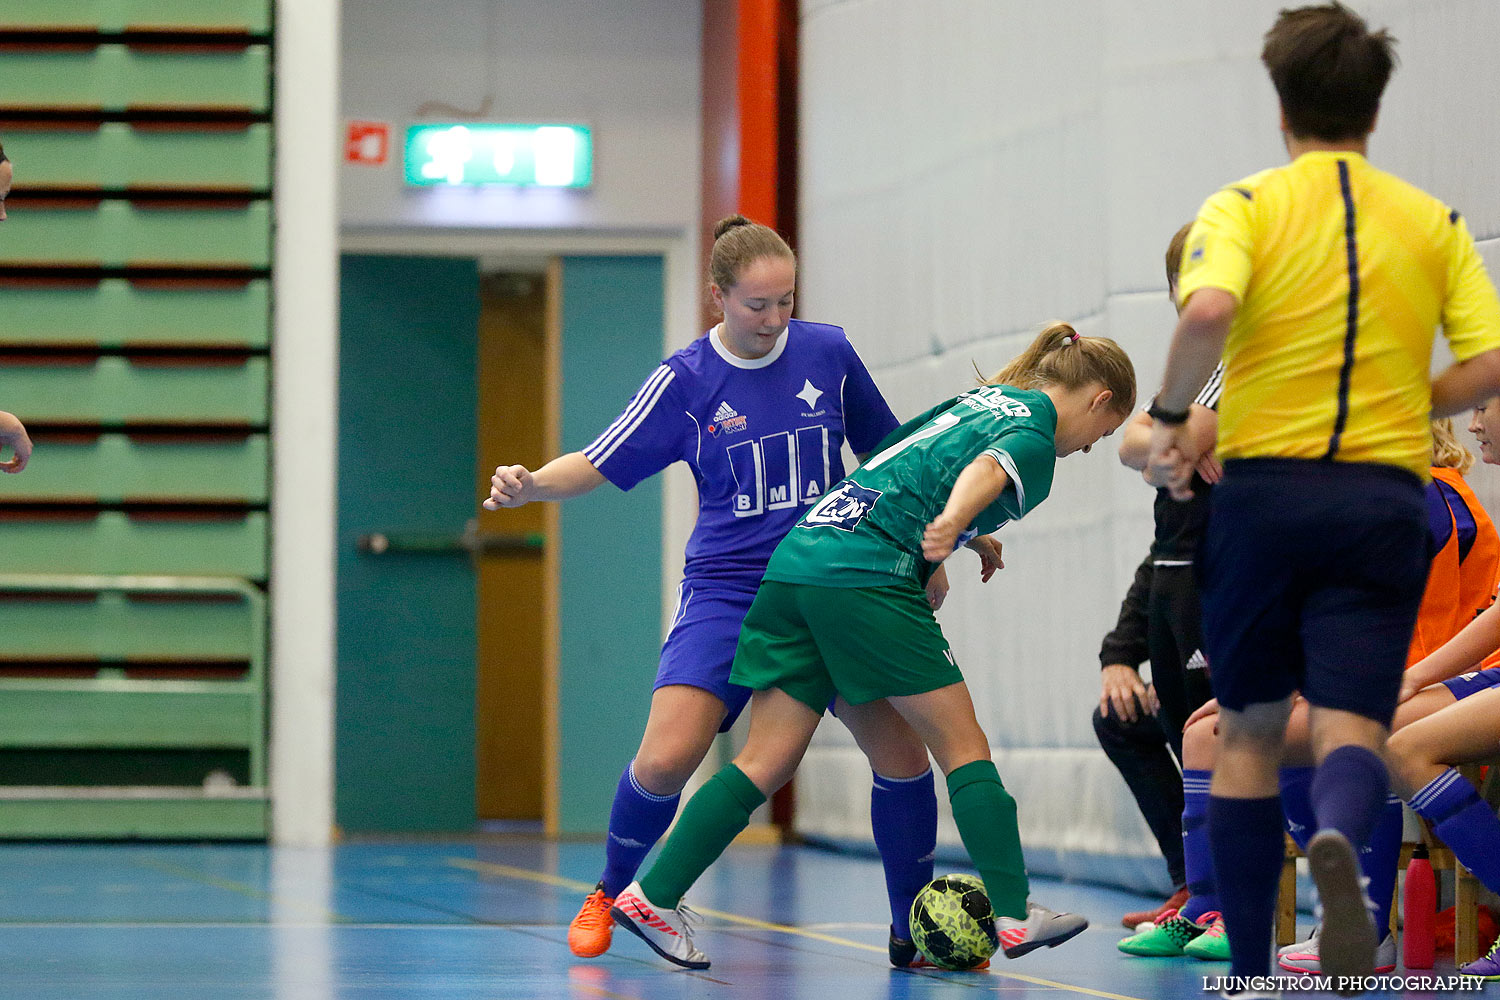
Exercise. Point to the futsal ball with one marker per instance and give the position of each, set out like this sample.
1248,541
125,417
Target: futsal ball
953,923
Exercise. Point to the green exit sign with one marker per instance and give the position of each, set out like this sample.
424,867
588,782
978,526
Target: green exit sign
559,156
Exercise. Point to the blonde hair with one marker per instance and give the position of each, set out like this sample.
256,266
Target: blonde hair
738,242
1060,356
1447,452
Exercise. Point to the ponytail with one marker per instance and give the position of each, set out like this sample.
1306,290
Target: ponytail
1061,356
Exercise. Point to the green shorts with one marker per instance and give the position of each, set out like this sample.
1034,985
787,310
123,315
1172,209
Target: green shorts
865,643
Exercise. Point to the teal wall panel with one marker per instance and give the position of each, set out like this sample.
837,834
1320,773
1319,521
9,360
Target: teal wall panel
610,572
407,436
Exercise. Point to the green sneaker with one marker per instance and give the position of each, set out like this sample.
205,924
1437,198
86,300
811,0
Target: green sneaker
1166,938
1213,944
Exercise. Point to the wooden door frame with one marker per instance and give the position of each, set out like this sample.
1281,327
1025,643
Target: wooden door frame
682,293
552,561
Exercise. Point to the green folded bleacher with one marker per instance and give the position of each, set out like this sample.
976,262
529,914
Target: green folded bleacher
180,542
118,312
135,275
119,233
105,676
122,390
164,467
116,77
251,16
118,155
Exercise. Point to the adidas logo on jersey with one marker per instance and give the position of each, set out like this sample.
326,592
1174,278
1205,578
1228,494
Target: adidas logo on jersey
726,420
1197,661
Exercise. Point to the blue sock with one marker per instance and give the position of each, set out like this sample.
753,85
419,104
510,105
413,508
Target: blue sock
903,813
1247,849
1296,803
1196,855
1349,791
1378,860
637,820
1464,822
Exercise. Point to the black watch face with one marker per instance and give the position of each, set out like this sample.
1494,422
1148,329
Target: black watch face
1167,416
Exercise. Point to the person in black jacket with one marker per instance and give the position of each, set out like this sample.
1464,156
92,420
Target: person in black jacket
1133,737
1139,725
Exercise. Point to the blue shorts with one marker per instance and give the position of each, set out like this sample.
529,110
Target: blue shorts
1311,575
700,647
1472,683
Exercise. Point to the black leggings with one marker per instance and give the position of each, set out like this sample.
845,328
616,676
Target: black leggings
1143,750
1174,636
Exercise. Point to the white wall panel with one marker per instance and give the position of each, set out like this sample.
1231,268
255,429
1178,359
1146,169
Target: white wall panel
629,69
974,168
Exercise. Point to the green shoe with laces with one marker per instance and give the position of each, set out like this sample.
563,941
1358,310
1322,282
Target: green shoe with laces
1165,938
1213,944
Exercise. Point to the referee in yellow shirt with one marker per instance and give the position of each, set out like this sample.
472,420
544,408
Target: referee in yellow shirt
1322,283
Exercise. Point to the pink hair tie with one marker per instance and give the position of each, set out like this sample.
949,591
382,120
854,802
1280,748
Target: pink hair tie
1073,337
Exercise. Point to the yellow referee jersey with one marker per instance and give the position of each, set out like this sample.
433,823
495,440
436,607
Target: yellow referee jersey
1343,273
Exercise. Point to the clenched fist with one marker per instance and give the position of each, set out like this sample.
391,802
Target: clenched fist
510,486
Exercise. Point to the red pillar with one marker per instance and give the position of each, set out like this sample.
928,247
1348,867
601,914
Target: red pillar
749,116
750,141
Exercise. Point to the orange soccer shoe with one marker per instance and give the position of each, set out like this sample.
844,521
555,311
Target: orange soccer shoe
591,931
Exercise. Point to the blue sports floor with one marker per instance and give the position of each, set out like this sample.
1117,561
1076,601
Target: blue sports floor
488,921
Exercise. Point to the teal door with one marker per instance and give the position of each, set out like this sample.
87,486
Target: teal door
407,432
610,562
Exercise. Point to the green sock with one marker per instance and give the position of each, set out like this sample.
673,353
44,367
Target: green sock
986,818
713,817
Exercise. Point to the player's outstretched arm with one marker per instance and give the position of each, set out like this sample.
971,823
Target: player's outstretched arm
1466,384
13,436
978,486
567,476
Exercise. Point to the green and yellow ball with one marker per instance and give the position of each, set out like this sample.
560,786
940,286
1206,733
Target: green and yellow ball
953,923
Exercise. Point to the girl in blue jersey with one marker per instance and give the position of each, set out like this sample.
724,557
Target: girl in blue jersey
759,409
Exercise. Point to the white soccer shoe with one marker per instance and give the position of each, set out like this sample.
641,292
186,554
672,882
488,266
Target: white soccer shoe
1042,928
1347,939
669,933
1303,956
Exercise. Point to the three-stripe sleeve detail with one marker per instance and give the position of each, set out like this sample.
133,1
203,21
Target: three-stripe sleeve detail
635,414
1209,395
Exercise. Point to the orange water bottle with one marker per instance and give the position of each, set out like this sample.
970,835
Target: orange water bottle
1419,908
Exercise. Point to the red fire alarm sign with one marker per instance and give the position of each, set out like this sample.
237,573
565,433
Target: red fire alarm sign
368,143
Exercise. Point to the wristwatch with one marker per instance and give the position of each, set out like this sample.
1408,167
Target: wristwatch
1171,417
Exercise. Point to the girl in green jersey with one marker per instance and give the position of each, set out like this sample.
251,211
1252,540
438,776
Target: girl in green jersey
861,556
